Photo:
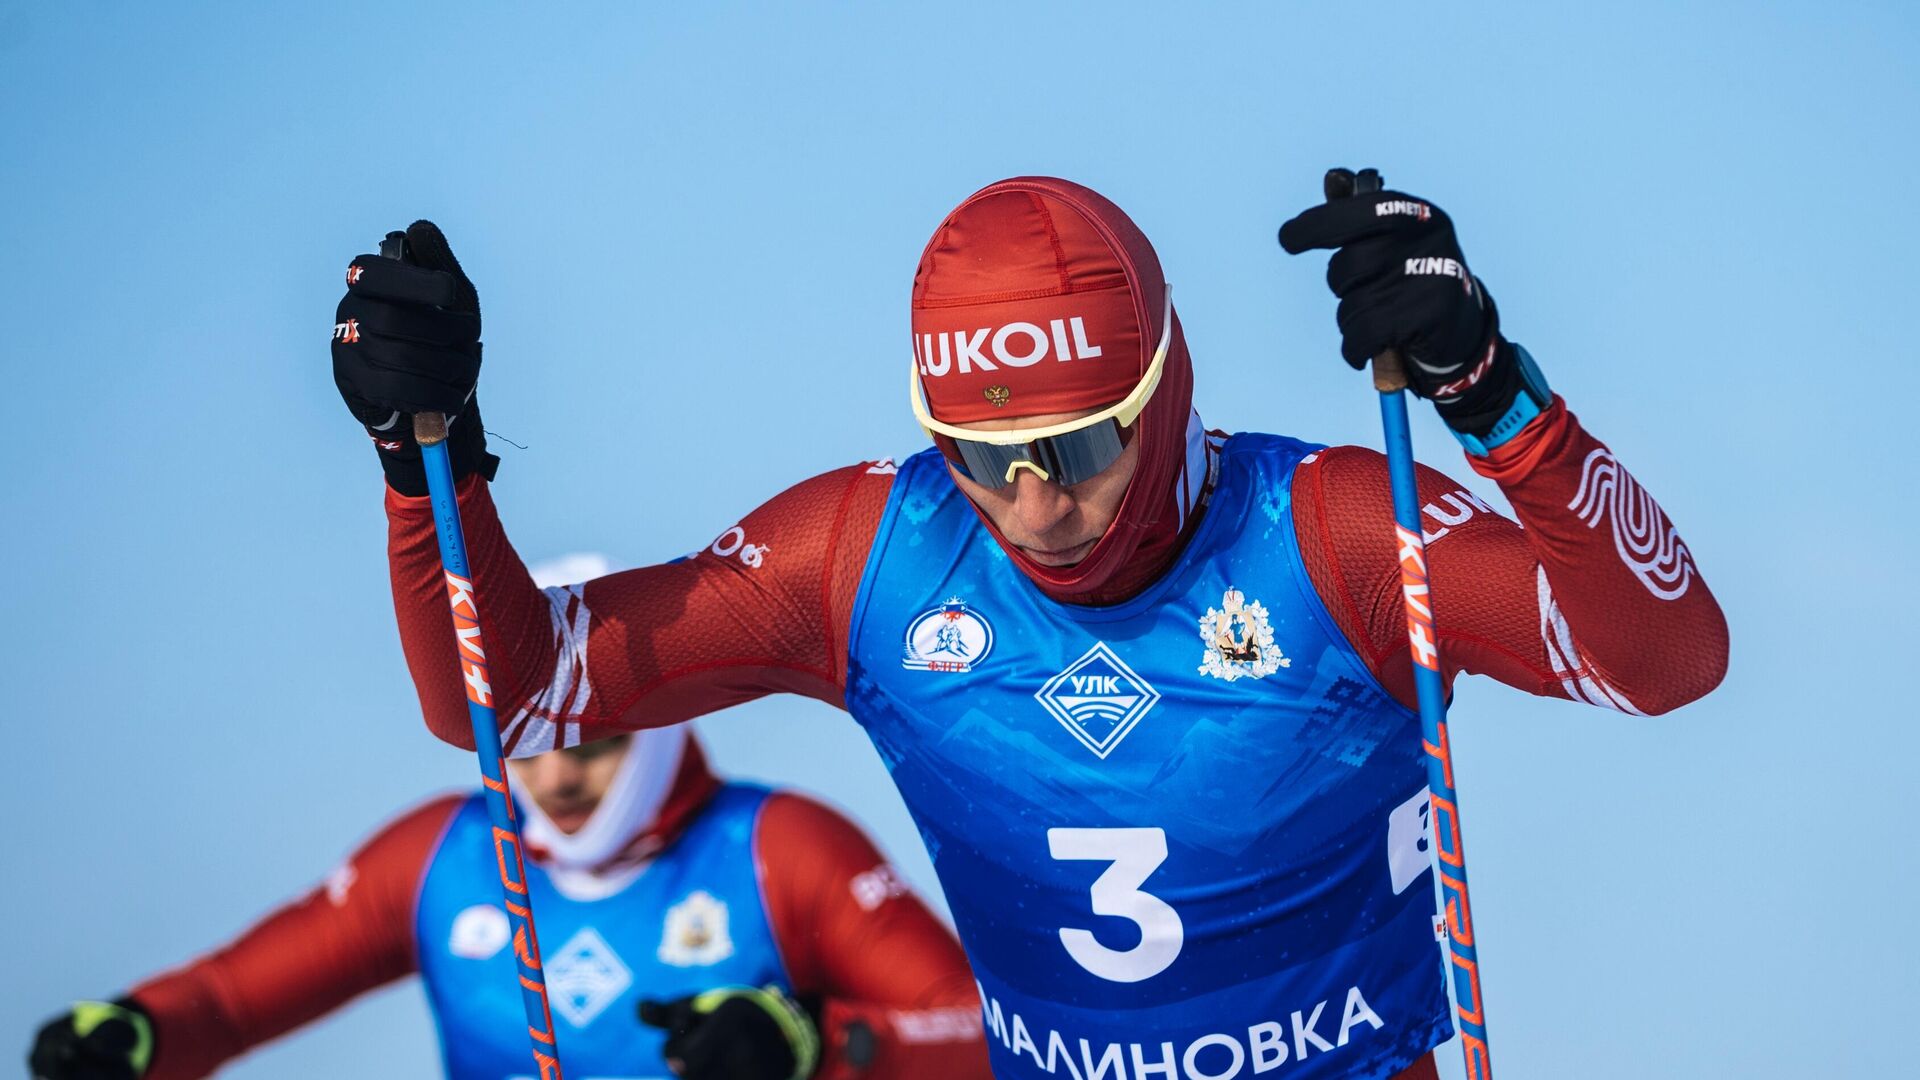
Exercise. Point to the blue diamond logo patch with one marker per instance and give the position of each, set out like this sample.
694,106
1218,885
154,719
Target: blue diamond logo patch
585,977
1098,699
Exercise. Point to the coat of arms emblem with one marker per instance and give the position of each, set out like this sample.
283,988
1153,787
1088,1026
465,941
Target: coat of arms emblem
1239,640
696,932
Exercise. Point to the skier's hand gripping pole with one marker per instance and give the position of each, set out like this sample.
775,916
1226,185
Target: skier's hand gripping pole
430,432
1390,378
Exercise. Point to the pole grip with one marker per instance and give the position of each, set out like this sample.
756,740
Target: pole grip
1389,372
430,428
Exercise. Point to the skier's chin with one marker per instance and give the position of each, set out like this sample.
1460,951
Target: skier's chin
1059,558
571,819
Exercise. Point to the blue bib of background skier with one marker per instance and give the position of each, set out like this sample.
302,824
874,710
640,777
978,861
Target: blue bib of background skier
1183,837
692,921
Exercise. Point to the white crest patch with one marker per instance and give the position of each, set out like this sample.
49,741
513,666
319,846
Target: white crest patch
1238,640
478,932
585,977
696,933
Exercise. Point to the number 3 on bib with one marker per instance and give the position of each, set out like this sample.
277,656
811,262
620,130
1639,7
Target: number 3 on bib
1135,855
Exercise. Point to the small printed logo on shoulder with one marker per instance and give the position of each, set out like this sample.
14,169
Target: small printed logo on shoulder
951,637
733,543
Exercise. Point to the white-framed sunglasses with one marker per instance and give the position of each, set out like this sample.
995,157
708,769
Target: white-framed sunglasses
1066,453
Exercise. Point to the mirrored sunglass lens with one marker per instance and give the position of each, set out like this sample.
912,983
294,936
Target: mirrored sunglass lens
1080,455
986,463
1068,459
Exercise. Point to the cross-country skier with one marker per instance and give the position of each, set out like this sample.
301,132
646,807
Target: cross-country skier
653,882
1173,783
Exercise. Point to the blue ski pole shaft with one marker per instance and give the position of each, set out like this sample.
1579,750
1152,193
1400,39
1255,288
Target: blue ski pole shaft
430,431
1450,853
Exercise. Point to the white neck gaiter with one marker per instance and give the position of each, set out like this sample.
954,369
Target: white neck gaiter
630,807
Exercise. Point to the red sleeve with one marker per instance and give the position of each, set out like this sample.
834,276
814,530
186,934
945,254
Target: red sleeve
853,935
1595,599
350,934
763,609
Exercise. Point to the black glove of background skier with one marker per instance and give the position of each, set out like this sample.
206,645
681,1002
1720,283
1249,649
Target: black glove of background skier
98,1040
1403,284
736,1033
406,339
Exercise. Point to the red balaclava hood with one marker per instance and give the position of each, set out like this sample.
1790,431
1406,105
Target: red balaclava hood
1038,296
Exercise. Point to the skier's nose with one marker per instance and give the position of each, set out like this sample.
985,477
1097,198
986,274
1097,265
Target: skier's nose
1039,505
564,773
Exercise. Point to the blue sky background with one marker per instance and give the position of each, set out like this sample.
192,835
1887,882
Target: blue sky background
693,233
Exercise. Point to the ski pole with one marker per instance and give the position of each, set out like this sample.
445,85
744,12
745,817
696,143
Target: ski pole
430,431
1390,379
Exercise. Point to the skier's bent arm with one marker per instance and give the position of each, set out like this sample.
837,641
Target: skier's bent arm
1624,615
1568,606
350,934
762,609
896,997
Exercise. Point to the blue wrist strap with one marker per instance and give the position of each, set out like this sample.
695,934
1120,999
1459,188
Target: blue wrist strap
1533,399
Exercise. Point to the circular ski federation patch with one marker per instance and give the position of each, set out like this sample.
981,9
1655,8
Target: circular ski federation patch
951,637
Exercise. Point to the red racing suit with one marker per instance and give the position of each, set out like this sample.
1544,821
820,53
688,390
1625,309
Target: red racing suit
868,949
1592,596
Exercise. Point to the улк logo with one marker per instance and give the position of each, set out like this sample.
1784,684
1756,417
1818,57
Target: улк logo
585,977
1098,699
1239,640
951,637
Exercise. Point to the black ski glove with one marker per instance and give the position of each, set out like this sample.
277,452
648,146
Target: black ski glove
98,1040
406,339
736,1033
1403,284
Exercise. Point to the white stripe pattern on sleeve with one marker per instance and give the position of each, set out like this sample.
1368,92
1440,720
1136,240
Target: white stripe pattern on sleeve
1577,677
550,719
